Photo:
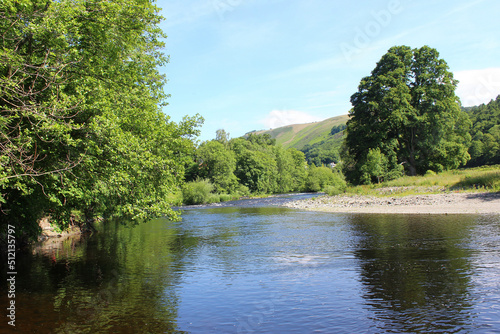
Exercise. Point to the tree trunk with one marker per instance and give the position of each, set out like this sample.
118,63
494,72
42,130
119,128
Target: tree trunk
412,165
412,168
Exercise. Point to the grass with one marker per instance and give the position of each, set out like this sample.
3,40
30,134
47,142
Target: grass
485,178
486,181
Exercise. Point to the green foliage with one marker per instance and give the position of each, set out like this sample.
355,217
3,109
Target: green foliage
264,167
464,179
222,137
199,192
320,141
375,166
430,173
378,167
226,197
242,191
325,179
408,109
244,166
298,171
261,140
217,163
337,128
82,127
257,171
338,186
485,147
325,151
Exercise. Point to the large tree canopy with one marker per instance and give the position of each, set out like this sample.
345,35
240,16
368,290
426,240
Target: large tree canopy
485,147
408,110
81,125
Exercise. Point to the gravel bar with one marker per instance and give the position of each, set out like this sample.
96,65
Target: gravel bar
444,203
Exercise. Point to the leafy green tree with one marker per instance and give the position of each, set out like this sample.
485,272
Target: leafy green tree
82,127
261,140
485,133
337,128
222,137
299,170
257,171
284,169
262,166
319,178
408,109
323,152
218,165
257,163
375,166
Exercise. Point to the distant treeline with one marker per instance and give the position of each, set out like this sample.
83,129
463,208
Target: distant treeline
253,165
484,148
226,168
485,132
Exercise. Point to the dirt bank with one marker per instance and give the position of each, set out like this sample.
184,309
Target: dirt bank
446,203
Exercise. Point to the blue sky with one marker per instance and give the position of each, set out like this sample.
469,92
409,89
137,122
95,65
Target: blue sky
257,64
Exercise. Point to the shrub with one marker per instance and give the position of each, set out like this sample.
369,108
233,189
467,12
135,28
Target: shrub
242,190
332,191
338,184
225,197
319,178
213,198
175,198
199,192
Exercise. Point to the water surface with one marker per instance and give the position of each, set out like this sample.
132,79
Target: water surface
261,269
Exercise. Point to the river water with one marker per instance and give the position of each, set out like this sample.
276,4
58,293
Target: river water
251,267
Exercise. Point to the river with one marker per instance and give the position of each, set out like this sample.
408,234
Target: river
253,267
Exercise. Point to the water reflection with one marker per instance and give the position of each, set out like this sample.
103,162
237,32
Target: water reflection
120,280
267,270
416,271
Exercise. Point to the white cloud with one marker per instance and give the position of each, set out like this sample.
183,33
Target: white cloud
478,86
278,118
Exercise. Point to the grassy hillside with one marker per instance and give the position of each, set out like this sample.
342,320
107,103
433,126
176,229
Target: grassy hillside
300,135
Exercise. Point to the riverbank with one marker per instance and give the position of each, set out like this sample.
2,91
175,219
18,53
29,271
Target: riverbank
443,203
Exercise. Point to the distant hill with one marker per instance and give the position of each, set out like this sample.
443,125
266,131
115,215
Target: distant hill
300,135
